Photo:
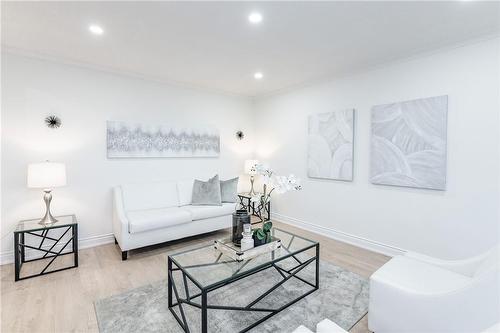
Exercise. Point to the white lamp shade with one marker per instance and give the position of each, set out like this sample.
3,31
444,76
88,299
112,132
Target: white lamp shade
249,164
46,175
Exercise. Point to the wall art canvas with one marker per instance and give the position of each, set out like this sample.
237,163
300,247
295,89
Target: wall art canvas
408,143
156,140
331,145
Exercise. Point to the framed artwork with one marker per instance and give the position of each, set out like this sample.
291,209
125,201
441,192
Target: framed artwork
408,143
331,145
129,140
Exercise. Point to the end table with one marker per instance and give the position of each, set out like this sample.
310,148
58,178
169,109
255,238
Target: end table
36,231
246,203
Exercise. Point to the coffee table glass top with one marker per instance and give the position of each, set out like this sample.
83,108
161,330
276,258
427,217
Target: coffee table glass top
34,224
208,267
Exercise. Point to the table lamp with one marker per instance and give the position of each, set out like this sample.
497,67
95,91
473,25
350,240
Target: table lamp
46,175
250,170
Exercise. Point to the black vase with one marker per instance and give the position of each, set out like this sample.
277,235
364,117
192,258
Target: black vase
259,242
240,217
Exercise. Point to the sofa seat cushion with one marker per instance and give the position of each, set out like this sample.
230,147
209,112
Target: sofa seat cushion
205,212
419,277
149,219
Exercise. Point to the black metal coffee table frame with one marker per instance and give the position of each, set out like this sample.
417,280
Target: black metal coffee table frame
203,305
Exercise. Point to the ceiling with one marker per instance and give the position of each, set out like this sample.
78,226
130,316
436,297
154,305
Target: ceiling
212,45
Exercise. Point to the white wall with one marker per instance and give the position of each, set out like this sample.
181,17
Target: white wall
458,222
85,99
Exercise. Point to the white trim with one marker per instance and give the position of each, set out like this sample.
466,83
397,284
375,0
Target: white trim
329,77
252,97
364,243
83,243
120,72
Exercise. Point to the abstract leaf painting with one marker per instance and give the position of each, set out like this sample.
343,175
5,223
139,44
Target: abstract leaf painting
142,140
330,145
408,143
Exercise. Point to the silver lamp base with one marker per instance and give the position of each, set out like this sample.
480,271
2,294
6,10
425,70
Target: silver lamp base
252,191
48,218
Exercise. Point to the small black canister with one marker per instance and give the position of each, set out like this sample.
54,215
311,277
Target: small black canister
239,218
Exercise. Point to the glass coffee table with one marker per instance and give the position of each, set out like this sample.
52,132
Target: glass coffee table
195,273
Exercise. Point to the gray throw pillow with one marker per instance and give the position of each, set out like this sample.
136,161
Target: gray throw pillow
207,193
229,190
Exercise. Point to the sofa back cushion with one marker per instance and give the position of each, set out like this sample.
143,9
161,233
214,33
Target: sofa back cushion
207,193
185,191
229,190
150,195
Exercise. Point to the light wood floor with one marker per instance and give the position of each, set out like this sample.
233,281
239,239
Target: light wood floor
63,301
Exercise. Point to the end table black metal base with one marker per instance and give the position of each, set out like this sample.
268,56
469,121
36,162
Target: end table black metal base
20,249
260,211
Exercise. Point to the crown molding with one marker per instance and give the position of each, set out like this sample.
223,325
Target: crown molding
330,77
371,68
116,71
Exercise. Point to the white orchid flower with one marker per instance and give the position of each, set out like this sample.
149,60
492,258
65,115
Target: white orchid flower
273,183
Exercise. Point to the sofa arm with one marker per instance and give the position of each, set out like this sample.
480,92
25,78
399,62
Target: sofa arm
465,267
493,329
120,221
471,308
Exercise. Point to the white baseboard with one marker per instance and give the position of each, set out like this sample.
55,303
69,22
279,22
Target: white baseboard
364,243
83,243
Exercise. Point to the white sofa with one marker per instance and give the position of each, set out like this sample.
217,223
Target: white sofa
417,293
152,213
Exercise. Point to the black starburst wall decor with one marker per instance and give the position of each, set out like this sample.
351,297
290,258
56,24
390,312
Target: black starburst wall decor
240,135
53,121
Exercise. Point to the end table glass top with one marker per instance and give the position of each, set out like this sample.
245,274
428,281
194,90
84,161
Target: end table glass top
247,195
34,225
207,266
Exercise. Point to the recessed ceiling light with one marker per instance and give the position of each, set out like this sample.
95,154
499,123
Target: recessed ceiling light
255,17
96,30
258,75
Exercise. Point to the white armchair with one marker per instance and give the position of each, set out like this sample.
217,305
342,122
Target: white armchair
417,293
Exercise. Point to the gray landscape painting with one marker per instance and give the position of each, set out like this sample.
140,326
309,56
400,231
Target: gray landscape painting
408,143
330,145
143,140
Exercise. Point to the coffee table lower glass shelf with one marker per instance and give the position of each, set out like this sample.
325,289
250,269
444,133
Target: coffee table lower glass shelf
195,273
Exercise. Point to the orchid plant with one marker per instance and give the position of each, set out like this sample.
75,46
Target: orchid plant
273,183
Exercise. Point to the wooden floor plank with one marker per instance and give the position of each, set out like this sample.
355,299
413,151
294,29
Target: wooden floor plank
63,302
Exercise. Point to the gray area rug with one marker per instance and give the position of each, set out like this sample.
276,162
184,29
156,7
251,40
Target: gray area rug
342,298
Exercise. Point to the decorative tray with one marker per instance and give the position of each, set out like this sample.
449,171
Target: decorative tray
227,247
